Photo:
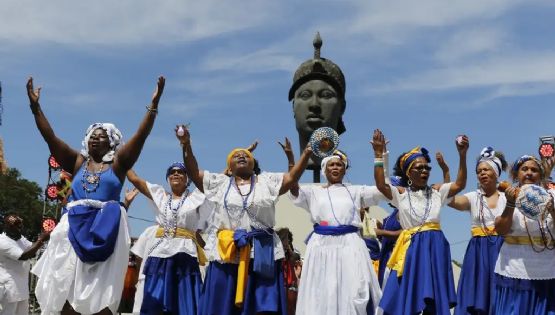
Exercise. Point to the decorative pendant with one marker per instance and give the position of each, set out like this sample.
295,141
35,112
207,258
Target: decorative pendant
93,179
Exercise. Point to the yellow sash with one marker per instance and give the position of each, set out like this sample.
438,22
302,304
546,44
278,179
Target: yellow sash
481,231
525,240
228,251
184,233
399,253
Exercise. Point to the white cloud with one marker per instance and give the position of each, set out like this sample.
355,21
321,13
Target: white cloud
471,42
498,70
377,17
127,22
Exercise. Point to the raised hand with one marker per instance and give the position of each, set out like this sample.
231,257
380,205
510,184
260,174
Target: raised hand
286,147
182,134
253,146
441,161
33,94
548,164
462,143
159,90
378,142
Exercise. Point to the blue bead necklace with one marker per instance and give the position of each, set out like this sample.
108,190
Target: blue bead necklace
413,213
244,198
352,200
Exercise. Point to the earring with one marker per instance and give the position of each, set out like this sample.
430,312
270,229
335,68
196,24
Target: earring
409,182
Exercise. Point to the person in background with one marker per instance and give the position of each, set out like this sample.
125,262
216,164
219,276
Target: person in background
15,252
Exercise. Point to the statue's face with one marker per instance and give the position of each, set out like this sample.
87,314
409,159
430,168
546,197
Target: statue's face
316,104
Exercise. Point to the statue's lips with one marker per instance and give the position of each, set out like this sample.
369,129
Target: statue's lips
315,121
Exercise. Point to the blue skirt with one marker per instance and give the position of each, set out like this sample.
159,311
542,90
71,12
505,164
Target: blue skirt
172,285
523,297
261,295
427,283
476,283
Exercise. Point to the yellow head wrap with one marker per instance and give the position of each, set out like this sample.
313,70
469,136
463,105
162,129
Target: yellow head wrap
230,156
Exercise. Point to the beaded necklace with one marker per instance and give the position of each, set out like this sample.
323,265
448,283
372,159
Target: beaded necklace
426,210
483,226
170,225
91,181
543,236
233,215
352,200
171,212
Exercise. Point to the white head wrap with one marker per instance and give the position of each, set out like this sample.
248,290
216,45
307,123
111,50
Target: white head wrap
113,134
488,156
336,155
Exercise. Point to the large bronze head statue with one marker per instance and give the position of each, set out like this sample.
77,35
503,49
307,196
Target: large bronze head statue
318,95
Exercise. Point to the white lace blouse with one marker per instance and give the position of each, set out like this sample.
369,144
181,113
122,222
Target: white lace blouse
229,205
337,204
189,216
521,261
487,213
415,208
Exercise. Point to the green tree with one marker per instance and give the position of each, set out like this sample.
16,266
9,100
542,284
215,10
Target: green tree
24,198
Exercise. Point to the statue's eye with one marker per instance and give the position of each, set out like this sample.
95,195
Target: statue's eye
305,94
327,94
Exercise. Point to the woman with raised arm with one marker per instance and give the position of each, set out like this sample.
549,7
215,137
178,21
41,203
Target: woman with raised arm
421,278
172,275
475,289
390,229
244,216
83,267
525,267
338,277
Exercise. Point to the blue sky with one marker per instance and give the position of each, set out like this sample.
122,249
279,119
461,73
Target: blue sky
422,71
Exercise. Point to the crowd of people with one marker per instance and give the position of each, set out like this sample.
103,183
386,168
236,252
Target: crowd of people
251,268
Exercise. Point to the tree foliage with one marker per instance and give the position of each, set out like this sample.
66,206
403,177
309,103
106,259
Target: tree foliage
24,198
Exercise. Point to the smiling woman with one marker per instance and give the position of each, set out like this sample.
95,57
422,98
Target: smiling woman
243,218
525,269
83,267
172,275
421,278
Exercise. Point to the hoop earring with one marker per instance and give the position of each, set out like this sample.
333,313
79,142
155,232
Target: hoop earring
409,182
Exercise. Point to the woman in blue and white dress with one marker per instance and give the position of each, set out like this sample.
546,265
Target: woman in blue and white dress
172,275
421,278
337,276
475,289
84,265
525,268
238,280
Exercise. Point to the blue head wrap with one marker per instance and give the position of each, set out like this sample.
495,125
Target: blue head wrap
178,165
408,158
524,158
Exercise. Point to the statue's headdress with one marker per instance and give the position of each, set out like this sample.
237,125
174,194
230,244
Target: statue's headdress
323,69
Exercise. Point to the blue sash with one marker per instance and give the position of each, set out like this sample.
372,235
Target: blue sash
93,232
332,230
263,242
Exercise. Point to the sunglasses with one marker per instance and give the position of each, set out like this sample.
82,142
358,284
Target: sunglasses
422,168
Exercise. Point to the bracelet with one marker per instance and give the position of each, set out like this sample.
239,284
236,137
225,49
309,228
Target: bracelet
151,110
510,204
378,163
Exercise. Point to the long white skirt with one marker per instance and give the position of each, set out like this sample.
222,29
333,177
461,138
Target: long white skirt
337,277
89,287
